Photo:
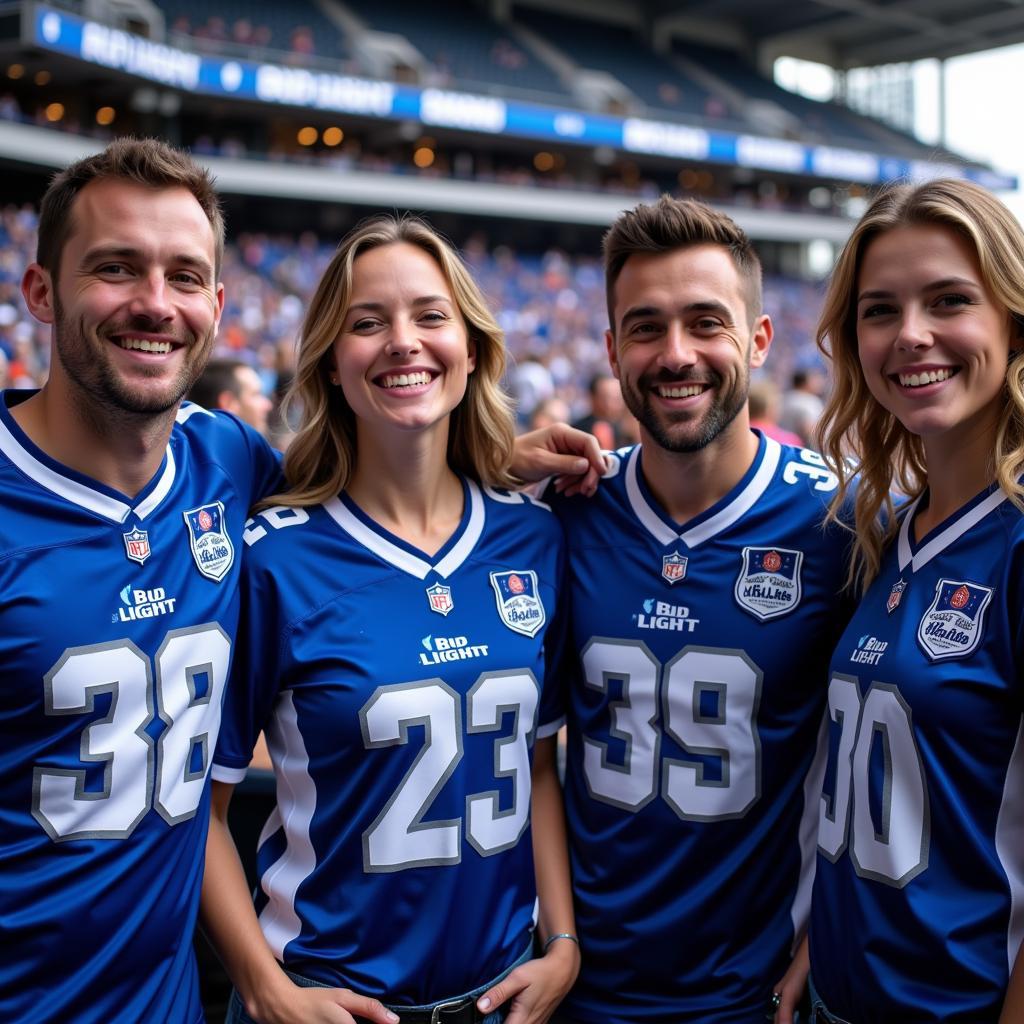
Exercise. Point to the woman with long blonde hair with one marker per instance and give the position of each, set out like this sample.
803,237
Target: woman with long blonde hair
917,904
398,607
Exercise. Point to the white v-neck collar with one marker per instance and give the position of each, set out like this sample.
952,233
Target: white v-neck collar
79,493
405,560
905,553
712,526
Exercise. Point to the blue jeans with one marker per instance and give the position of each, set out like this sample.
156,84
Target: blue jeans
237,1015
820,1013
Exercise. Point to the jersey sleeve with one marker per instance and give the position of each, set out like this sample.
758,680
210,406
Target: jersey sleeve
255,673
267,476
556,643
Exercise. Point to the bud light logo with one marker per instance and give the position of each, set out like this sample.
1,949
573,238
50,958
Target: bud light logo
953,625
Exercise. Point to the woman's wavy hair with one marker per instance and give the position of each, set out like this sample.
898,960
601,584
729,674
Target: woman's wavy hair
321,457
858,436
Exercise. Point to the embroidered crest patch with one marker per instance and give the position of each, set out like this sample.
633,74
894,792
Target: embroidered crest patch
953,625
673,567
769,582
518,599
136,545
440,598
211,546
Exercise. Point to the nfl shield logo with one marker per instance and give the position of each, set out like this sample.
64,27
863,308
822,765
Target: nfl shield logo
440,598
210,543
517,596
895,596
673,567
136,545
953,625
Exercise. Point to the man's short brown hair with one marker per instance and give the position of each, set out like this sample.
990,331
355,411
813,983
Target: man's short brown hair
148,162
672,224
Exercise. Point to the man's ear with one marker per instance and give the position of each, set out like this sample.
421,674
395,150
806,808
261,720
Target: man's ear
761,340
613,355
37,289
218,299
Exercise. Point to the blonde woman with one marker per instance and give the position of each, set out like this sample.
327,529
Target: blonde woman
399,611
917,904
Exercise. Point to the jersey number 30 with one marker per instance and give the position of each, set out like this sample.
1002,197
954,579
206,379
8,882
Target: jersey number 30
184,685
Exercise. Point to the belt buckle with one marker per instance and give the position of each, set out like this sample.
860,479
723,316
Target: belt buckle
453,1004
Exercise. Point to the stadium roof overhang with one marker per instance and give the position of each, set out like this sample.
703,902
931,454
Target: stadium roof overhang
846,33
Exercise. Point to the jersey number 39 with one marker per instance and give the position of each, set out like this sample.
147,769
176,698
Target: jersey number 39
707,700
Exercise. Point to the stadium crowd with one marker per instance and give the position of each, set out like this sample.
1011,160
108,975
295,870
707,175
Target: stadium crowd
551,306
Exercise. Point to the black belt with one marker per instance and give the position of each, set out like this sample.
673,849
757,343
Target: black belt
455,1011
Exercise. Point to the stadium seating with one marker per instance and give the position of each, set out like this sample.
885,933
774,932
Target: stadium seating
464,45
299,27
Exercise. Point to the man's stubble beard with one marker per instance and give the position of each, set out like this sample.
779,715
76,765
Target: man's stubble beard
696,436
87,364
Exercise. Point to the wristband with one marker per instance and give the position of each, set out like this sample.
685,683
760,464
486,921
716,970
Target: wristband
560,935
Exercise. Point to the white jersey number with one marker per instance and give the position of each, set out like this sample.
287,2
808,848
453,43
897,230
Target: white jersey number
897,850
399,838
707,699
168,773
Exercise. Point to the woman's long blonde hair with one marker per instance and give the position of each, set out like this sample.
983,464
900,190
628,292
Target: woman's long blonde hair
321,457
882,453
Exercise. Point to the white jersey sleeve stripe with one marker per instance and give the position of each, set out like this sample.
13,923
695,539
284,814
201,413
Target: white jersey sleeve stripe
1010,845
296,800
801,908
232,776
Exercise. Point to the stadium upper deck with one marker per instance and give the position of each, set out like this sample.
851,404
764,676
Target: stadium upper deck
484,109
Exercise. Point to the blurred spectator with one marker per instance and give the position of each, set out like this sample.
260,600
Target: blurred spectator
551,306
764,399
549,412
531,384
607,410
802,405
234,386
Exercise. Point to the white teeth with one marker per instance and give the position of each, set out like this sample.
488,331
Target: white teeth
404,380
679,390
145,345
917,380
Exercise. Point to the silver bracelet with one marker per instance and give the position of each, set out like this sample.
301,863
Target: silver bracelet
560,935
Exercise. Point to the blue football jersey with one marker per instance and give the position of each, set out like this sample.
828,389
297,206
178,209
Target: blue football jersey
401,694
918,908
694,721
117,619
